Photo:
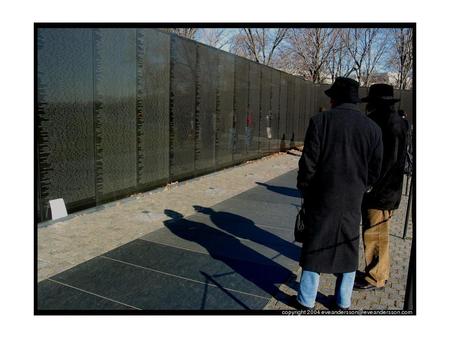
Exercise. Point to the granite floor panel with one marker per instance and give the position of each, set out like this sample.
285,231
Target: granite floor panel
273,194
198,236
281,190
288,180
242,227
261,280
275,238
261,212
55,296
151,290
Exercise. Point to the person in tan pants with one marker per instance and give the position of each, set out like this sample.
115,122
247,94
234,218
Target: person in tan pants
384,196
376,245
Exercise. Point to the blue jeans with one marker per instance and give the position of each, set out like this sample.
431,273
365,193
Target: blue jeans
309,283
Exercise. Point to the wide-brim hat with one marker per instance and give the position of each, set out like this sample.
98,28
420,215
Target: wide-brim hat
380,92
344,90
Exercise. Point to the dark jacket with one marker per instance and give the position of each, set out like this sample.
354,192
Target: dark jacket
341,158
387,191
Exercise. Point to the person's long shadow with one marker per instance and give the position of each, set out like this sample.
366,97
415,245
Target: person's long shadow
245,228
281,190
248,263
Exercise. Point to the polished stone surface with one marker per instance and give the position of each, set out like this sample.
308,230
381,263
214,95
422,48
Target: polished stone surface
261,212
240,275
54,296
151,290
197,236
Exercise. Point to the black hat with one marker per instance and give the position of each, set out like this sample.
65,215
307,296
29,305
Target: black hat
344,90
380,92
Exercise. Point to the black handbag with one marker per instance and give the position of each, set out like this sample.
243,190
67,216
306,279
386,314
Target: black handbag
299,229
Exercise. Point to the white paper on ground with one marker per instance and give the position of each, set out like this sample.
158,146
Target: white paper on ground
58,208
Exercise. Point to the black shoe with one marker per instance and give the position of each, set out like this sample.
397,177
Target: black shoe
365,285
293,302
360,274
336,307
344,309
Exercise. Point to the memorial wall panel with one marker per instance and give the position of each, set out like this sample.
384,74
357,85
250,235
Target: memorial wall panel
206,108
65,121
115,111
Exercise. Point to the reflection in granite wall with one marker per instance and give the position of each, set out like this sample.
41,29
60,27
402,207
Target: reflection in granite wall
65,117
124,110
311,95
296,115
115,95
314,100
307,97
406,103
182,98
290,109
275,109
302,118
265,130
323,100
224,110
252,129
206,108
153,107
240,107
283,138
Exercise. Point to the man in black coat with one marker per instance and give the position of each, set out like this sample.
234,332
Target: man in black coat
341,158
379,203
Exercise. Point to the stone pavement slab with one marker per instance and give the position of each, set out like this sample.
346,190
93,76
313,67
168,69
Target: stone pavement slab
232,274
271,214
224,246
148,289
56,296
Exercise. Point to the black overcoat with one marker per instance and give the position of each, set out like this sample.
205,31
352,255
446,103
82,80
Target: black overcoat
387,191
341,158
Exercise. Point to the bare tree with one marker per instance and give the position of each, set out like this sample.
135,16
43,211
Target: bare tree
190,33
215,37
317,54
339,62
366,46
314,47
258,44
401,59
286,61
311,48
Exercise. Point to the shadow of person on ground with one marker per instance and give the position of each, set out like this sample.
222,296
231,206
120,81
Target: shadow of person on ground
245,228
281,190
248,263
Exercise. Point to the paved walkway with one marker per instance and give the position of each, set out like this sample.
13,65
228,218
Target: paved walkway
197,251
82,236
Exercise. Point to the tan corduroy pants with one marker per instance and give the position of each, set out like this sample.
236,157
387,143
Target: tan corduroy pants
376,245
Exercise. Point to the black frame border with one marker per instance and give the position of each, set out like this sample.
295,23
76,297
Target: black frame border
412,268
